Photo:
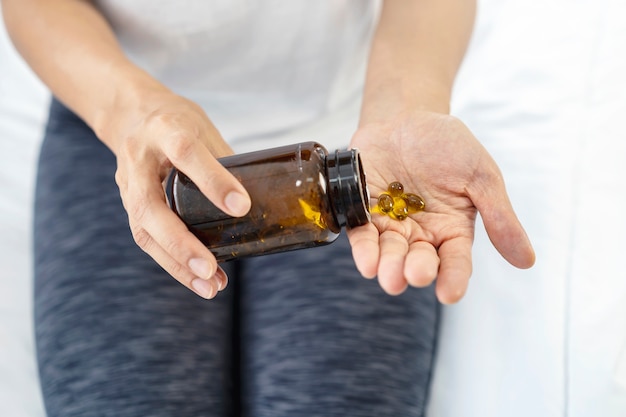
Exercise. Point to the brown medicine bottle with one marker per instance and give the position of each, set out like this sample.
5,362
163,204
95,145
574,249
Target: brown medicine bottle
301,197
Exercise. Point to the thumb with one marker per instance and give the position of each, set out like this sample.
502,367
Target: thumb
502,225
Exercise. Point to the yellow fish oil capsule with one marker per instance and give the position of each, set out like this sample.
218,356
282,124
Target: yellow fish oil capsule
414,202
400,209
396,189
385,203
397,204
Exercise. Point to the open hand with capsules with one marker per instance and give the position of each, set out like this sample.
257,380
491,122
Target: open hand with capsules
451,178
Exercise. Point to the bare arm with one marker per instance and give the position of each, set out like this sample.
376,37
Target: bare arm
405,134
72,48
416,52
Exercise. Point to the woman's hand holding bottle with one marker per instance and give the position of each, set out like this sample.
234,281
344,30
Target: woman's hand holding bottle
148,139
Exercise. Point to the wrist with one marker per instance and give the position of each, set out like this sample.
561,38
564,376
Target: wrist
398,82
130,98
386,100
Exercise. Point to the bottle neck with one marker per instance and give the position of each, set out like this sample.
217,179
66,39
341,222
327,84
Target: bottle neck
347,188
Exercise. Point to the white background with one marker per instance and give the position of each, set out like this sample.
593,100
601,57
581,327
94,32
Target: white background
544,88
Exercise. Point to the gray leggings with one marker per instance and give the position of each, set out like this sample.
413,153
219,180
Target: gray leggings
295,334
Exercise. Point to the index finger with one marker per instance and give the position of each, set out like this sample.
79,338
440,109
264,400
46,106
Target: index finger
194,159
365,249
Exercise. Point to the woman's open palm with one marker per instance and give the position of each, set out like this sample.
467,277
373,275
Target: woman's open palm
438,158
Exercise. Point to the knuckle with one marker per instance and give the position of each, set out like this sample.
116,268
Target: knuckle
121,179
121,184
180,147
175,248
131,147
212,181
142,237
138,208
179,272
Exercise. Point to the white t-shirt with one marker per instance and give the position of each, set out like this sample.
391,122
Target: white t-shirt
272,71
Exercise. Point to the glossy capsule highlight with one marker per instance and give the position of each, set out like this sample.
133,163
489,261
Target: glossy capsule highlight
397,204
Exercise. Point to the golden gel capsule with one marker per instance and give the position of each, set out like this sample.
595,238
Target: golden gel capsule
414,202
397,204
400,209
395,189
385,203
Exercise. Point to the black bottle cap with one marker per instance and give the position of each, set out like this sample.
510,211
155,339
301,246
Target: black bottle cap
348,188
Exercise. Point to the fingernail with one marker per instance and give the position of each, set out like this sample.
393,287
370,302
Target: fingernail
201,268
237,203
221,284
203,288
222,279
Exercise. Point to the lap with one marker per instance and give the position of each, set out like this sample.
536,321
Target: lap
318,339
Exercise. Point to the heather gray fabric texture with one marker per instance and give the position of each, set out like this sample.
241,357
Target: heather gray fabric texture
295,334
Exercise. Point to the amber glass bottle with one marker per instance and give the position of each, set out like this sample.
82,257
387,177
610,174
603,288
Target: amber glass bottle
301,197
